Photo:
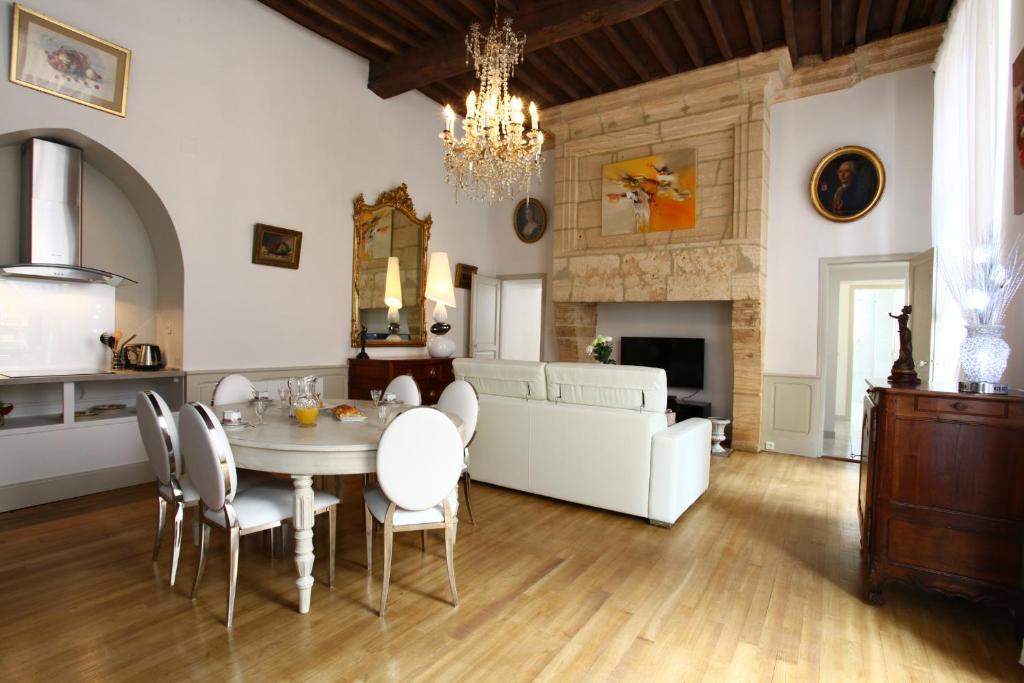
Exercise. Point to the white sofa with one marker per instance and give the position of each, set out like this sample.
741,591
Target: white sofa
587,433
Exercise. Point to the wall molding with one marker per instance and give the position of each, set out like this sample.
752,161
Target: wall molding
28,493
791,414
199,385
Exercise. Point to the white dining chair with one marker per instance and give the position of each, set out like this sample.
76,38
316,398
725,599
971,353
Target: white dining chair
232,389
419,459
160,439
460,399
405,389
211,463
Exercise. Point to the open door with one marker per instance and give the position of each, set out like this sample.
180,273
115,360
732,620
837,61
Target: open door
484,317
922,298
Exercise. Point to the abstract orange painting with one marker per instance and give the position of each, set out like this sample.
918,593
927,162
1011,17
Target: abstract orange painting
650,194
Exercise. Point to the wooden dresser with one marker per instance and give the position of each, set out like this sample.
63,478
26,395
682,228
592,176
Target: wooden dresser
431,374
942,493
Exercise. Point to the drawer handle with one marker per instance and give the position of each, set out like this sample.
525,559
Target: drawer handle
959,405
433,372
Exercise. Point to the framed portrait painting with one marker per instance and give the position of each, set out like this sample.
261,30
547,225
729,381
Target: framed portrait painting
57,59
272,246
529,220
847,183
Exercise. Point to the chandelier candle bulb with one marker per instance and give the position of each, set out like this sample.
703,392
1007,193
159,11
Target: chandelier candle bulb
449,118
534,117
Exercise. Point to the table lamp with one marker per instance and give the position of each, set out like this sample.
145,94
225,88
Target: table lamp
393,298
441,291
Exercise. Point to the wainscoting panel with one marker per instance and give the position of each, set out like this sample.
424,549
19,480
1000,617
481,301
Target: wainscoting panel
792,406
200,385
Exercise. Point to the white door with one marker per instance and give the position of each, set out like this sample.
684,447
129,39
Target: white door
484,317
922,298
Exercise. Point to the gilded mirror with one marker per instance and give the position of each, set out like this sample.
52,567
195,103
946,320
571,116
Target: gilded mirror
389,270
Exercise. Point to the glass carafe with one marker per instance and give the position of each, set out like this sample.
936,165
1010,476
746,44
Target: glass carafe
306,402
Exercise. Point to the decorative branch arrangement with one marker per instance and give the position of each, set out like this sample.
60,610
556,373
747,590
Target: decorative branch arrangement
982,283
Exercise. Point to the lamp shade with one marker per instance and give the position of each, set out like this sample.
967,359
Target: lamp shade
393,285
439,280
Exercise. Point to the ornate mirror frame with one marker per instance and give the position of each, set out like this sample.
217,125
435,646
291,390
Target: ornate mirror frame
398,199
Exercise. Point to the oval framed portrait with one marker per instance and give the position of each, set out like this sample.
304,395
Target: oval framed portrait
847,183
529,220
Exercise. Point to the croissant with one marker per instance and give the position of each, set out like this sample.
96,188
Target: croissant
346,410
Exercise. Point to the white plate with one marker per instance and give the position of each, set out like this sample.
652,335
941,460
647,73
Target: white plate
351,418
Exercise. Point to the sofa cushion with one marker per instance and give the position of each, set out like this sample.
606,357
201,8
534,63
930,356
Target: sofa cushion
511,378
610,386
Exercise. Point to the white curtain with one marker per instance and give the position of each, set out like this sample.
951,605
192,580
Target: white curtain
972,87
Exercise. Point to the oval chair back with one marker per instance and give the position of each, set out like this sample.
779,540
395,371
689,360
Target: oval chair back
405,390
159,435
233,389
419,459
208,457
459,398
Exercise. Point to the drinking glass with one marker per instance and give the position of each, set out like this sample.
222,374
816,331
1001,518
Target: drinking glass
259,406
382,413
283,396
375,394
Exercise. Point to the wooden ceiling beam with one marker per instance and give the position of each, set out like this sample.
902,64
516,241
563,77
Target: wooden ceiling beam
404,11
558,78
863,12
381,21
753,27
654,43
534,84
715,21
441,11
367,31
331,32
899,16
476,9
584,44
543,23
789,24
826,30
675,18
572,61
939,11
626,52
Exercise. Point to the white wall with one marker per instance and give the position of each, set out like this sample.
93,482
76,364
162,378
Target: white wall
237,115
710,320
889,114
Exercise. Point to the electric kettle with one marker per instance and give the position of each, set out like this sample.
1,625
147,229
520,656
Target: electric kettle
143,357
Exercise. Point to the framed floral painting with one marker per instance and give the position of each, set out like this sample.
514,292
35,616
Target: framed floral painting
57,59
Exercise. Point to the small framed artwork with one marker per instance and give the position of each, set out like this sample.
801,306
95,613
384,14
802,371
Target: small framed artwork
529,220
464,275
847,183
57,59
272,246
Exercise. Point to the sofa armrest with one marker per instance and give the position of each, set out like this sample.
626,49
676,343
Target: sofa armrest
680,469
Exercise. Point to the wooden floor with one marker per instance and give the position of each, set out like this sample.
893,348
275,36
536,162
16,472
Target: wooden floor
758,581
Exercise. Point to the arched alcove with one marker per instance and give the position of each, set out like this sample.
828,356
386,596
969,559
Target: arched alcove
140,240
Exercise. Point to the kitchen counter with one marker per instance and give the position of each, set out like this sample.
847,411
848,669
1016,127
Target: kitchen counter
112,375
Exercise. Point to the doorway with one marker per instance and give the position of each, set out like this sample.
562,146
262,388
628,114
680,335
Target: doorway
507,317
860,342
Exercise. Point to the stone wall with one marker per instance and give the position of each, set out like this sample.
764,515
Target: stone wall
722,112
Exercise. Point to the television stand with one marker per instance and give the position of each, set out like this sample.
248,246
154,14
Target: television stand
687,409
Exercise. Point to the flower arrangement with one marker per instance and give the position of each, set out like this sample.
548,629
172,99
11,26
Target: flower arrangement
982,285
601,350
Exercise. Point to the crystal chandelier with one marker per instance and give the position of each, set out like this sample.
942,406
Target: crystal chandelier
497,155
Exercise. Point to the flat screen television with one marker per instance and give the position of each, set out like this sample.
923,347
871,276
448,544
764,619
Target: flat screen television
681,359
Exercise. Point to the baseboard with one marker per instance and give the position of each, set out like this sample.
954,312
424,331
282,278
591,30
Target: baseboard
28,493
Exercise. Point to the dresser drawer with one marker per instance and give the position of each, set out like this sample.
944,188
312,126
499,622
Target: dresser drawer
960,406
971,553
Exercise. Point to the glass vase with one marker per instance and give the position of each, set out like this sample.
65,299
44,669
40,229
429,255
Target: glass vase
984,353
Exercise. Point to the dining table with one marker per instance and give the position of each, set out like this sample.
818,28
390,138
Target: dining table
332,447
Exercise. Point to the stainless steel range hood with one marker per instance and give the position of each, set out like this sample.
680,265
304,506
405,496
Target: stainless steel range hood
51,217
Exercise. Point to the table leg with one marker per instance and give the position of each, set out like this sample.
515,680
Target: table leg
303,522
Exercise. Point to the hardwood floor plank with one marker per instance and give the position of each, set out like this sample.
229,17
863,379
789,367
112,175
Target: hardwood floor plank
760,579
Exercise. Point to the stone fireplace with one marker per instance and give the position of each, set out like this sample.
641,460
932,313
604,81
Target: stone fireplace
721,113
